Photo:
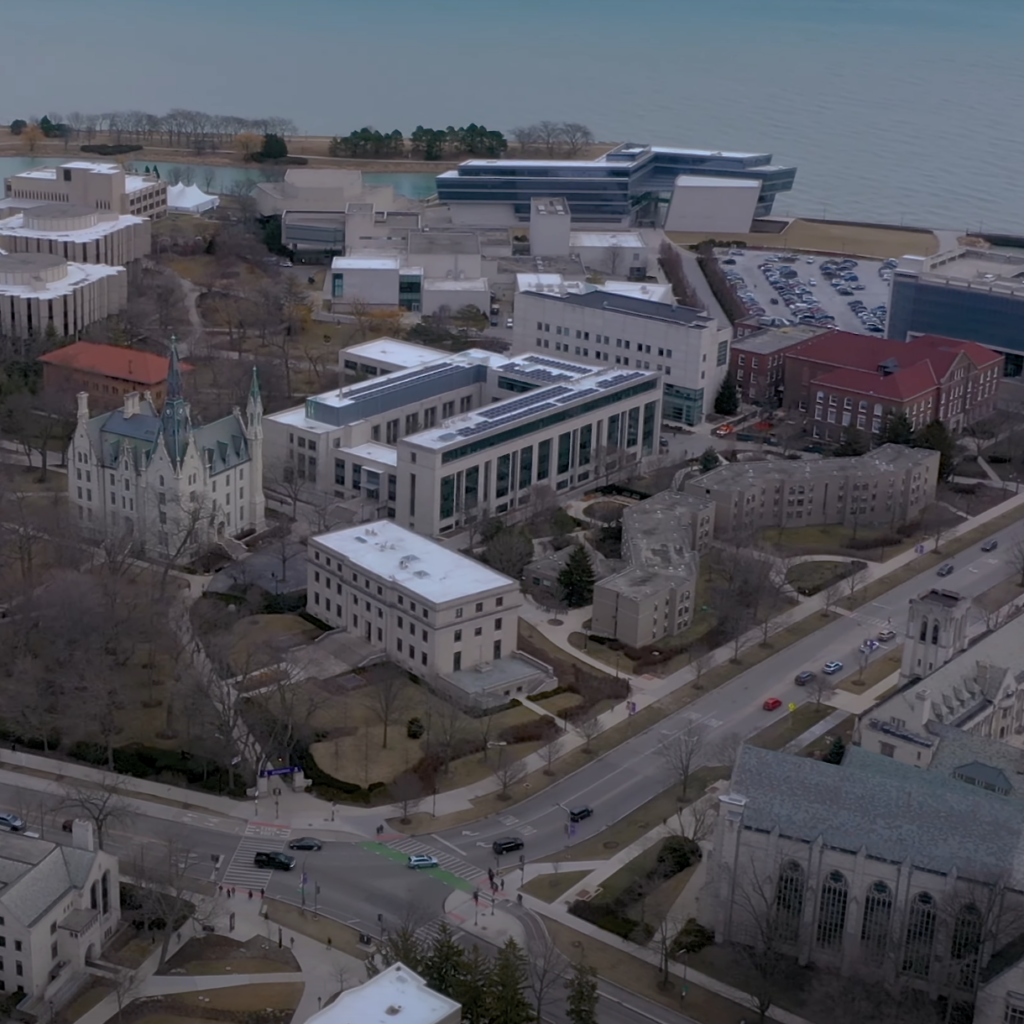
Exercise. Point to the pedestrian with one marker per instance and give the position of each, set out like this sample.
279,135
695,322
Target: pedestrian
250,894
263,893
503,884
292,941
220,889
519,898
330,944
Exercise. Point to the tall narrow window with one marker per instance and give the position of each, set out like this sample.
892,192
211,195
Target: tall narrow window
874,930
917,950
832,911
789,901
965,946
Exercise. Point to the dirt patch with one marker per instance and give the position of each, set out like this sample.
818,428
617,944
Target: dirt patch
552,886
283,995
318,927
878,669
220,954
1000,595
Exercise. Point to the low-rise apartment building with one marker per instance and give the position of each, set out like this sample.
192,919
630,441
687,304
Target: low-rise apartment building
757,361
106,372
440,444
686,346
59,906
889,486
448,619
838,380
81,234
98,186
654,597
42,294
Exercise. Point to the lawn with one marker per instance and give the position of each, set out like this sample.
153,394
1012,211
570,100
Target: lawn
354,750
550,888
284,995
810,577
878,668
834,540
221,954
251,636
318,928
92,995
1001,594
630,972
788,726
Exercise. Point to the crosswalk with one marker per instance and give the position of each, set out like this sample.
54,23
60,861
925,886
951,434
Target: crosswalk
241,871
510,821
452,864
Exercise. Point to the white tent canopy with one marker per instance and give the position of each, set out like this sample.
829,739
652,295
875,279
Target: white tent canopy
189,199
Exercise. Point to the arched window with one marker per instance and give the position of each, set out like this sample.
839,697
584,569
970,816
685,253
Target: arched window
105,891
832,911
93,902
874,929
924,630
917,950
965,946
789,901
935,632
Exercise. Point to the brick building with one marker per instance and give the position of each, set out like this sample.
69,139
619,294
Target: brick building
106,372
757,360
839,380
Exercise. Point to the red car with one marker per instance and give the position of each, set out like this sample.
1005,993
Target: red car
772,704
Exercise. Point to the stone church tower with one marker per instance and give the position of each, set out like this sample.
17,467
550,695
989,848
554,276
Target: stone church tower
936,632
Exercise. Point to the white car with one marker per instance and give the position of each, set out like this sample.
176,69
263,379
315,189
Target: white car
832,667
11,822
812,282
810,259
508,323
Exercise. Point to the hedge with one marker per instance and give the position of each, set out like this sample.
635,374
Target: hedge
102,149
285,161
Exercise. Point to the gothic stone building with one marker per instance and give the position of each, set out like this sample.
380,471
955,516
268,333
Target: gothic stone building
171,486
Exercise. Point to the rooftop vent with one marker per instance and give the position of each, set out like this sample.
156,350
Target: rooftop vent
393,1011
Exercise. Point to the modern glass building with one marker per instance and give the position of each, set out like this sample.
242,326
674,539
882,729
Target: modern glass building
611,188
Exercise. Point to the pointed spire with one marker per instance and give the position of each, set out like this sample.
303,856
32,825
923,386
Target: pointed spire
174,390
255,398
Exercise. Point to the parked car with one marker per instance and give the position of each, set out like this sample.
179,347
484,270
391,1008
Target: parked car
990,545
273,859
803,678
832,667
947,569
68,825
580,813
772,704
868,646
11,822
421,860
507,844
508,323
886,635
305,843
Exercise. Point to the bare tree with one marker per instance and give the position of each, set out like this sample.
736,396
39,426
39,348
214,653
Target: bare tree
576,136
546,968
681,752
508,770
725,749
548,134
1015,559
831,595
589,727
703,814
407,792
855,580
446,728
525,136
386,696
104,805
184,521
290,481
935,524
819,687
664,941
551,754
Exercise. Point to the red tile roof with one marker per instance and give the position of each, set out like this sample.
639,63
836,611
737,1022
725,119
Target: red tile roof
901,387
112,361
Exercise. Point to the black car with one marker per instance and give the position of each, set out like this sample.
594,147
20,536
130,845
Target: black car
990,545
946,570
507,844
580,813
305,843
273,859
803,678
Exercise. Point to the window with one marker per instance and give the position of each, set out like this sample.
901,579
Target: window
832,911
399,645
17,945
497,650
458,613
479,607
458,636
479,631
498,602
917,949
544,459
874,931
789,901
965,946
497,623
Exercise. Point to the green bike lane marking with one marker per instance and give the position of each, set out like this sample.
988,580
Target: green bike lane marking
439,873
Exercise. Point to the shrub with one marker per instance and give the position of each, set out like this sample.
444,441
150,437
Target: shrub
415,728
692,937
677,853
90,753
286,161
103,149
602,915
885,540
540,730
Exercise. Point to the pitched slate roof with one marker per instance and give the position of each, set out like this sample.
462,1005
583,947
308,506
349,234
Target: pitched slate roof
35,874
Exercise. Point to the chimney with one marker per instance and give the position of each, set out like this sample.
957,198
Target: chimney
83,406
131,405
83,835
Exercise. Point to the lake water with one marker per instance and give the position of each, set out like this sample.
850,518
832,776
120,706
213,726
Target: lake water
892,110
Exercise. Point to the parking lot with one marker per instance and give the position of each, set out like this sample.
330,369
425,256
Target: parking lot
874,290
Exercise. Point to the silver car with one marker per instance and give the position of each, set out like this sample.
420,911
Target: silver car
11,822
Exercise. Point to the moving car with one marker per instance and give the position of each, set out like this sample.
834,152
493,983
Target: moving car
580,813
772,704
946,570
305,843
868,646
803,678
885,635
421,860
273,859
832,667
507,844
723,431
508,322
990,545
11,822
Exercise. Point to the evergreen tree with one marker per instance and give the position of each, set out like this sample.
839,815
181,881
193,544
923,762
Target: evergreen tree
402,946
274,147
708,460
897,430
444,963
581,1002
937,437
506,1003
473,990
727,401
577,578
835,751
855,443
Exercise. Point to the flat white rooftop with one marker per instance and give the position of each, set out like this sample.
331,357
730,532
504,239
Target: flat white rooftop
15,226
395,996
709,181
366,263
640,290
453,284
607,239
390,350
78,275
551,284
417,564
373,452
